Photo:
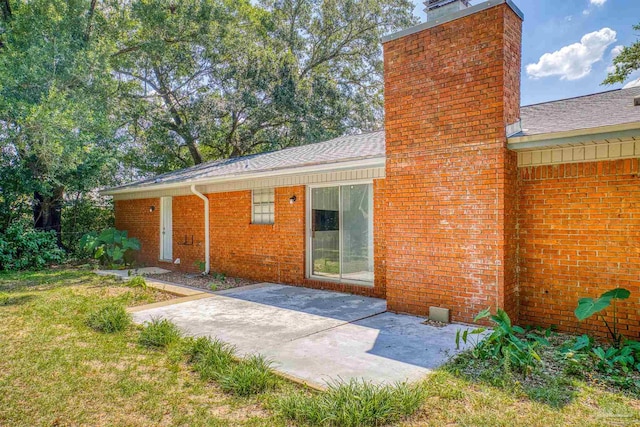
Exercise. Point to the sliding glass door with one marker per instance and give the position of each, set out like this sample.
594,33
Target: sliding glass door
341,241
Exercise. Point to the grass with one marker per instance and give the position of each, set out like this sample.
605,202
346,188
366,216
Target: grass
56,370
159,333
352,404
250,376
109,319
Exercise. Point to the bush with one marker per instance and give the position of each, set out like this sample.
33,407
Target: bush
251,376
111,246
210,357
109,319
353,404
23,247
159,334
511,345
136,282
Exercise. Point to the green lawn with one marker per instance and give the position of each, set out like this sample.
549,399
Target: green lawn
55,370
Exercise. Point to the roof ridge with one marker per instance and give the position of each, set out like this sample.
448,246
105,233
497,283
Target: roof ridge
578,97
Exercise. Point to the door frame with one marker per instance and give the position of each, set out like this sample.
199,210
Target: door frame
309,233
162,213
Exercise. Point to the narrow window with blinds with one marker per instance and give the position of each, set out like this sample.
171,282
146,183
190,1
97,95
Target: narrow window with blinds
263,206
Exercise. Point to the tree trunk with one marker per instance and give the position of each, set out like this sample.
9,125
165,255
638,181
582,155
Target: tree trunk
47,212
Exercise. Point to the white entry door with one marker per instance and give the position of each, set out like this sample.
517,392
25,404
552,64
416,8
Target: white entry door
166,229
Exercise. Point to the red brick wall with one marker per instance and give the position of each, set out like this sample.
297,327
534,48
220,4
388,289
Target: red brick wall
273,253
188,232
135,217
579,237
449,93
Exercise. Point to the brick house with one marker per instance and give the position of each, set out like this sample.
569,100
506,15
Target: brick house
465,200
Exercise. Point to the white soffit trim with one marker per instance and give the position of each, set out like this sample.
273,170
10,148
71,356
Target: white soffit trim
329,167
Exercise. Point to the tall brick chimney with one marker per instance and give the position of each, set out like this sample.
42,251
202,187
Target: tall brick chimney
451,89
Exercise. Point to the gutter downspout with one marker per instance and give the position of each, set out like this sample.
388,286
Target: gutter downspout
207,259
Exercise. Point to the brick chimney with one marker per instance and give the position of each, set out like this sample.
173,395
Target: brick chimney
451,88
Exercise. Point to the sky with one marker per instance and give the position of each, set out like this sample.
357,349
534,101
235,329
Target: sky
568,45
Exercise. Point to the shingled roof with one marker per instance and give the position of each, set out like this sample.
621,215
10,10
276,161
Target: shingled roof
344,149
614,107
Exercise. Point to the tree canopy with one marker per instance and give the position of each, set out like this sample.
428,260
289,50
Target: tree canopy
625,63
94,92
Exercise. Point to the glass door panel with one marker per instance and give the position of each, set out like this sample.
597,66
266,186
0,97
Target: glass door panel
325,232
357,236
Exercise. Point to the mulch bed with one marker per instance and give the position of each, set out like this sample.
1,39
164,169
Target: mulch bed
203,282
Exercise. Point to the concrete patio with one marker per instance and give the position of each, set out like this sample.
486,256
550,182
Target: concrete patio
315,336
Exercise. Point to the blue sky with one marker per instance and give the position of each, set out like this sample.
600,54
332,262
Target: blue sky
580,37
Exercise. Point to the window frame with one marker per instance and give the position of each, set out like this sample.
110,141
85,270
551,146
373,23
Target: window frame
258,218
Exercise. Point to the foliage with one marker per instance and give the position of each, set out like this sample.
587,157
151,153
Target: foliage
588,307
57,115
214,79
507,343
84,213
111,246
136,282
625,63
213,286
159,333
250,376
354,403
210,358
22,247
219,277
109,319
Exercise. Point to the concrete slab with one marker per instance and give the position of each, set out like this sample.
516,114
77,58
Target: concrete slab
316,336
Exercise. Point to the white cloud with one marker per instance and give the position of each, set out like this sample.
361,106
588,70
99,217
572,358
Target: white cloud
632,83
614,53
598,2
576,60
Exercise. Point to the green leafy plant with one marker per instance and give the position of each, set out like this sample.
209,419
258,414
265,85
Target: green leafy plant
352,404
219,277
507,343
200,265
159,333
136,282
111,246
213,286
250,376
588,307
109,319
23,247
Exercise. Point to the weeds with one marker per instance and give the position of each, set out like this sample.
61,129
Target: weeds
250,376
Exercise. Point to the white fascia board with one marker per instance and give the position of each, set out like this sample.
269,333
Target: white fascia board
329,167
555,139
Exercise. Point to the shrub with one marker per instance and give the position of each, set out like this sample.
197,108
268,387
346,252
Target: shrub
23,247
209,357
353,404
136,282
588,307
159,333
511,345
111,246
251,376
109,319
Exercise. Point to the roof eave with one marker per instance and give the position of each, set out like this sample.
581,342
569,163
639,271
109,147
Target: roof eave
554,139
378,161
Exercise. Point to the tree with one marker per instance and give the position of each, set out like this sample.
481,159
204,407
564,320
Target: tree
221,78
625,63
56,127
